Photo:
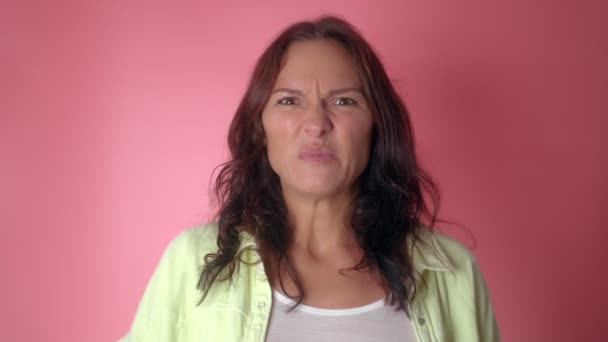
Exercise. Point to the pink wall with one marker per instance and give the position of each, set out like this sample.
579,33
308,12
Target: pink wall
113,115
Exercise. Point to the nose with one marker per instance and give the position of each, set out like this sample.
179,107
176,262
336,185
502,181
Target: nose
317,121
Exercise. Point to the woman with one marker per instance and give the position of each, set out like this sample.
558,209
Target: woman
323,233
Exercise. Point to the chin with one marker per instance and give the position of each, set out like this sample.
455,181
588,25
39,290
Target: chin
318,191
315,186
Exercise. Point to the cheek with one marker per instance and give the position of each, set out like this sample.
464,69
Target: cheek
361,150
275,137
276,126
361,136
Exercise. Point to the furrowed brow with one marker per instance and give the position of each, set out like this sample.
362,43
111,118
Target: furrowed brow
345,90
288,90
333,92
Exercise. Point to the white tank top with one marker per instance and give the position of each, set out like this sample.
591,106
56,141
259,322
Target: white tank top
372,322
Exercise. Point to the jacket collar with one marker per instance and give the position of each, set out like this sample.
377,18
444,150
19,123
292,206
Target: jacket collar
428,255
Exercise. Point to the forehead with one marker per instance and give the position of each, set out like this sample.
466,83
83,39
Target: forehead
323,61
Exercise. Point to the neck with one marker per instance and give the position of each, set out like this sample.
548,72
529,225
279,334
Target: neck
321,227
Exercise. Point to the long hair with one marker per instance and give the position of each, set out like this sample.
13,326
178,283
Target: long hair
389,208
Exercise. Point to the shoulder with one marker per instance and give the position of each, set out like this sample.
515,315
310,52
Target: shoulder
193,243
456,287
169,296
452,267
437,251
178,270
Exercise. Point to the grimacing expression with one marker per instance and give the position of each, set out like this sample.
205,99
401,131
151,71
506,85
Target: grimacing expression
317,121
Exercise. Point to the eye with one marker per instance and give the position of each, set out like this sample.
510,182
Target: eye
345,101
287,101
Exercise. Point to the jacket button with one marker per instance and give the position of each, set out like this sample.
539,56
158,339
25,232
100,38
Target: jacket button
261,305
421,321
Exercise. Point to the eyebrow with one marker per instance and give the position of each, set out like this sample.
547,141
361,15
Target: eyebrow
330,93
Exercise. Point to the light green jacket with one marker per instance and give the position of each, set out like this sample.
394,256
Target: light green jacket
453,306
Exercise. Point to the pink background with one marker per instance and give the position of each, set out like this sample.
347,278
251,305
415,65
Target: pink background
114,114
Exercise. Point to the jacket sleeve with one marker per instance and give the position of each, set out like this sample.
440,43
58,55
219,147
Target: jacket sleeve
169,294
484,319
464,297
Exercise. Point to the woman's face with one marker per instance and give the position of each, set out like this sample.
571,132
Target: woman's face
317,122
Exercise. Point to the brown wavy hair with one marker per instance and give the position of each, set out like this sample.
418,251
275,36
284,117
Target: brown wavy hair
388,210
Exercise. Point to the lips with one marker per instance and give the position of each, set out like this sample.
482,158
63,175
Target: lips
316,154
